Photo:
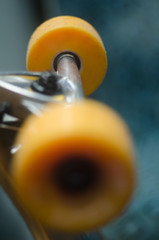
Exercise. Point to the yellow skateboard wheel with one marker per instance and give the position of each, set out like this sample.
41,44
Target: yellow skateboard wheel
69,34
75,167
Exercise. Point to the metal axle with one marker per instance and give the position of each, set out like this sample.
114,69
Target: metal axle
69,67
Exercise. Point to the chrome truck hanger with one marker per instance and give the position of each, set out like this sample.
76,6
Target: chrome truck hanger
22,93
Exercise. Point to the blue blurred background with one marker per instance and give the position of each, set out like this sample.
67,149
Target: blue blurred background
130,32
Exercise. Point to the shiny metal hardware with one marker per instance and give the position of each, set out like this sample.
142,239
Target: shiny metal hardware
17,88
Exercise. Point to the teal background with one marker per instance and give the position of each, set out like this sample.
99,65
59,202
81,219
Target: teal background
130,33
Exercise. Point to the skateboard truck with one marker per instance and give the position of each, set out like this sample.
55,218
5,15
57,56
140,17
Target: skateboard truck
21,96
68,65
15,88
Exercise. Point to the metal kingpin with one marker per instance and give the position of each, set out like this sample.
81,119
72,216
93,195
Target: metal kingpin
25,95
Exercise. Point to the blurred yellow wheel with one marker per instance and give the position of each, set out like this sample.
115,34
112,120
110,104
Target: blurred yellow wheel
75,168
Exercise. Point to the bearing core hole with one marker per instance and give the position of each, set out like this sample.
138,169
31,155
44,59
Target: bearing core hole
67,54
76,175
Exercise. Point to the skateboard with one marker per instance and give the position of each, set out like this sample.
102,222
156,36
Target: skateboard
72,166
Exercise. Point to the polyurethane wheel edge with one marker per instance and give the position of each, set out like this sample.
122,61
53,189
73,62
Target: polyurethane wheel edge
67,33
117,126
